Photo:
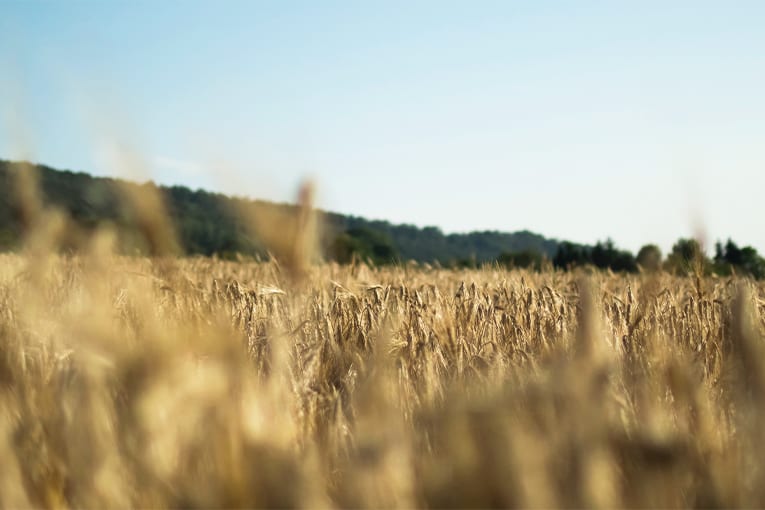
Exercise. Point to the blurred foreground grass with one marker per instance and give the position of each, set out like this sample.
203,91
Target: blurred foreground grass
197,383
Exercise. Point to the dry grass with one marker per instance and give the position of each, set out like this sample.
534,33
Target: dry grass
200,383
196,383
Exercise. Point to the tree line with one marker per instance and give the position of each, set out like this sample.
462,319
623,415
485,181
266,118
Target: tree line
686,256
208,224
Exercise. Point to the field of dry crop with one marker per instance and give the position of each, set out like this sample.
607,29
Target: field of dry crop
195,383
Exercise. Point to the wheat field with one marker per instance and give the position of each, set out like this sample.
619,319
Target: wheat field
183,382
198,383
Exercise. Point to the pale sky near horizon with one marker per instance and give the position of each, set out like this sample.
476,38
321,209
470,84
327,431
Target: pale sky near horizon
640,121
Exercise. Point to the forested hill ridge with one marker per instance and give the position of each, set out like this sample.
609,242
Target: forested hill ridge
206,223
211,224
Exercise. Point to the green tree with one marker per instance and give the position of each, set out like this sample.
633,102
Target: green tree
605,255
571,255
744,260
687,256
649,258
526,259
366,244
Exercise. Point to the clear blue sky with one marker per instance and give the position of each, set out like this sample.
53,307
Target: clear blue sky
642,121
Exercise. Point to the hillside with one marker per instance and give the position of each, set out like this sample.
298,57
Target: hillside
206,223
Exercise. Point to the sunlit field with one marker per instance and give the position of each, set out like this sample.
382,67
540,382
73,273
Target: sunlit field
382,255
151,382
